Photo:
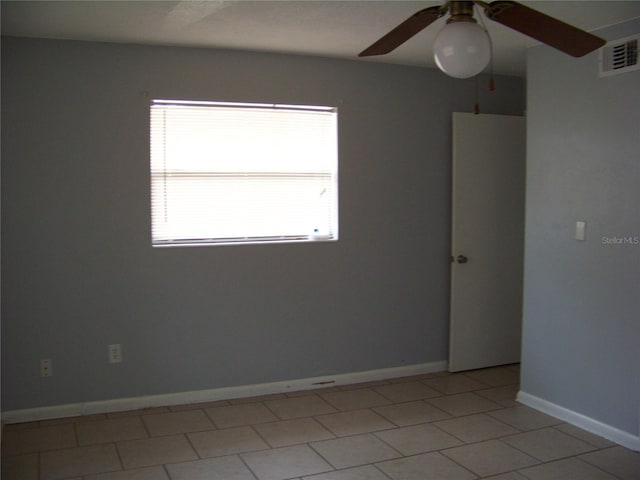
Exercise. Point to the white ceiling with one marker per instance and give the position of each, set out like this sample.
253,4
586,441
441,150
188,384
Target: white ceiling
331,28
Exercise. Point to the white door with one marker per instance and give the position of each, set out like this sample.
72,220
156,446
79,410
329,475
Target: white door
487,240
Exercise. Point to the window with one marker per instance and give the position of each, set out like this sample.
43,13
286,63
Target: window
228,173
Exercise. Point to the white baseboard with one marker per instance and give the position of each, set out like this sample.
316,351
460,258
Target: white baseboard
577,419
224,393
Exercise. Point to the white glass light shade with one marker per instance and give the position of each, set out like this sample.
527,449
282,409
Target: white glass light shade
462,49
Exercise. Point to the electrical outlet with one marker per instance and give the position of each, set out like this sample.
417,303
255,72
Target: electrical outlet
46,367
115,353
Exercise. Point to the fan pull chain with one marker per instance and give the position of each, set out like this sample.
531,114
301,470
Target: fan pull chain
492,83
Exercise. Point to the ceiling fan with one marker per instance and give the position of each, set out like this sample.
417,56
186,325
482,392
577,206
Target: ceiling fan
462,49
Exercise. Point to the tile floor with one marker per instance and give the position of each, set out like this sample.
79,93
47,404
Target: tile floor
437,426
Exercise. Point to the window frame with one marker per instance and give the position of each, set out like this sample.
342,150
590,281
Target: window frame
330,229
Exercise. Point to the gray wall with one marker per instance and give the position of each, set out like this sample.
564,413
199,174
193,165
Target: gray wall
581,335
79,272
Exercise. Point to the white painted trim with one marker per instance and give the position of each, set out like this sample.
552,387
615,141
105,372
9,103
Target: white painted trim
224,393
582,421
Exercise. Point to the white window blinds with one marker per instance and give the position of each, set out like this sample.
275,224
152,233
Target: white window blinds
242,173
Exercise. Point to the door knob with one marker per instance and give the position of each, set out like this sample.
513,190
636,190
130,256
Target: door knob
462,259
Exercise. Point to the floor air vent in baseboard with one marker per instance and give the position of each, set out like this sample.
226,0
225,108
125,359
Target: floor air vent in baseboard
619,56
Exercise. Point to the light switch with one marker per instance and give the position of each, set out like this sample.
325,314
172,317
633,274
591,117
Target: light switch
581,228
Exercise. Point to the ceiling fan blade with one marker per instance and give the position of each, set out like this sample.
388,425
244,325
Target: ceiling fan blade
546,29
404,31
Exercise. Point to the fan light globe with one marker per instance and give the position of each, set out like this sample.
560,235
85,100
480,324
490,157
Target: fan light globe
462,49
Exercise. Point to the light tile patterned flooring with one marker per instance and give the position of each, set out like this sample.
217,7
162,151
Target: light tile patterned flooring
438,426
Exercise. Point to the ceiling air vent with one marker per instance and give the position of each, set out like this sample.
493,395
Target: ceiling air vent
620,56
